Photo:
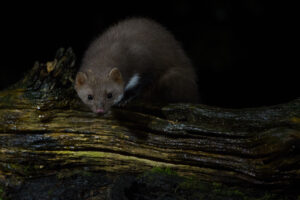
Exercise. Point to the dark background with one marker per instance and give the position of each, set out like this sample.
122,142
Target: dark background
245,52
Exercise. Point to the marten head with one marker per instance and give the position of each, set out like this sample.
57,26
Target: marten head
100,93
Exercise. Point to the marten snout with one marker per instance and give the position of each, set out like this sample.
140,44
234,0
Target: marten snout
100,111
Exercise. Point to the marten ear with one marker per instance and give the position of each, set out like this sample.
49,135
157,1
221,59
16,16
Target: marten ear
81,78
115,75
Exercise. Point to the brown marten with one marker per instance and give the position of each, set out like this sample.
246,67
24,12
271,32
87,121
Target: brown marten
136,58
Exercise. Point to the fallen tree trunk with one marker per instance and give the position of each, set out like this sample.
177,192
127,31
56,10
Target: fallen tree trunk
44,128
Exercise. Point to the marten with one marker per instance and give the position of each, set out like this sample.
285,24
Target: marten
135,58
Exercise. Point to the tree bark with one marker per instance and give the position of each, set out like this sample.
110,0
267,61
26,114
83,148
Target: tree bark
44,128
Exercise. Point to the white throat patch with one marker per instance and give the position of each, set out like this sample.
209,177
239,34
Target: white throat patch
134,80
118,99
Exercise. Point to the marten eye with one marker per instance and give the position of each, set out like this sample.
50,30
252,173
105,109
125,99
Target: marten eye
90,97
109,95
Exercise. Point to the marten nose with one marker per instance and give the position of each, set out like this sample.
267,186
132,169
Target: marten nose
100,110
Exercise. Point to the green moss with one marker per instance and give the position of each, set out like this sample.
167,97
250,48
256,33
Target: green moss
69,173
50,192
206,190
1,193
25,170
234,192
166,171
267,196
213,189
192,183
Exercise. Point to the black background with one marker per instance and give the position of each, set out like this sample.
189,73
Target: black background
245,52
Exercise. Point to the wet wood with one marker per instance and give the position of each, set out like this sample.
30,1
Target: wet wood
44,128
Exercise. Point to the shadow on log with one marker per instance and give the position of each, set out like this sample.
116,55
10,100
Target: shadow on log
44,128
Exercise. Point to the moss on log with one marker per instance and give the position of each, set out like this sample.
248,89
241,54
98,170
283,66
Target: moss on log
44,128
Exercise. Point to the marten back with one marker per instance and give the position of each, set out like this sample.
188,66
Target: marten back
148,58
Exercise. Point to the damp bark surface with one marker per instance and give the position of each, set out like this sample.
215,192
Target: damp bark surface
46,132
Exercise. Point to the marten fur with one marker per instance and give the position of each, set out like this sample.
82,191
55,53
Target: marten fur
139,58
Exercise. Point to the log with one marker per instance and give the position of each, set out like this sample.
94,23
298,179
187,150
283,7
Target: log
44,128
